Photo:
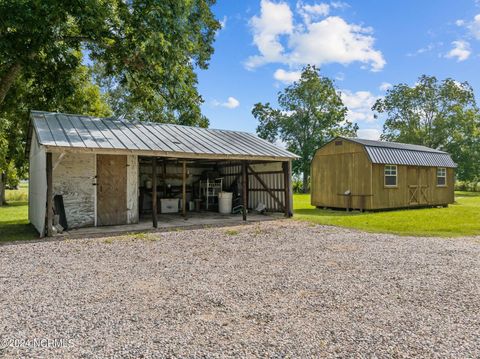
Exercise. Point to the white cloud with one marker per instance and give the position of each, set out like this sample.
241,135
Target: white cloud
330,40
231,103
340,76
223,22
359,105
472,26
274,20
425,49
461,50
339,4
309,12
287,77
369,133
384,86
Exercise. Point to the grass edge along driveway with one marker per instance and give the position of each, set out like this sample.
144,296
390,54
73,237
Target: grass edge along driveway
460,219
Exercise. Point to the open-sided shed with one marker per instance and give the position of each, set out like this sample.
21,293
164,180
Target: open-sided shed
366,174
111,171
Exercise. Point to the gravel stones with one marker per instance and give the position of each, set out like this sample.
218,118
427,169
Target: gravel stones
273,289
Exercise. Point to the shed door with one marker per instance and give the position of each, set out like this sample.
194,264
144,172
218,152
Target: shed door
111,190
417,181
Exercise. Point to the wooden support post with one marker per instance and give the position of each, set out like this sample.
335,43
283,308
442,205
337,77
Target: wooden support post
286,181
244,189
184,189
154,192
164,177
49,195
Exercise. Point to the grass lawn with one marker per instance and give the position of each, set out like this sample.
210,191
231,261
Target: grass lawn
459,219
14,216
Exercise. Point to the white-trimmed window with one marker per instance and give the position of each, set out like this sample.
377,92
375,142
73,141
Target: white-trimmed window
441,176
390,174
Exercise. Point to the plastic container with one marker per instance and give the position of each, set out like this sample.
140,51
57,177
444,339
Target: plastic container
225,202
169,205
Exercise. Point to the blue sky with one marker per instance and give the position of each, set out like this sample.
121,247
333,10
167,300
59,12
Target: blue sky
364,45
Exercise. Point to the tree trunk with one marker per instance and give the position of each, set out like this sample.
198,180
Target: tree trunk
2,189
305,182
8,79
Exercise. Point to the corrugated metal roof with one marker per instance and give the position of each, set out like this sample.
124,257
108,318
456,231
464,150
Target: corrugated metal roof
404,154
77,131
396,145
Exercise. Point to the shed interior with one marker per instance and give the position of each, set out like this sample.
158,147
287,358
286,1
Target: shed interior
204,180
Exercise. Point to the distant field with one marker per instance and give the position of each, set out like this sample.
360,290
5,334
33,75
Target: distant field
460,219
14,216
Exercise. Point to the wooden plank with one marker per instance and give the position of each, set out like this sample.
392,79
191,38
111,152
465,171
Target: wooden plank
184,189
154,192
111,190
286,184
49,195
273,195
165,154
244,189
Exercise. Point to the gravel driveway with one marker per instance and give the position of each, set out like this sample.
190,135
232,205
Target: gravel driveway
274,289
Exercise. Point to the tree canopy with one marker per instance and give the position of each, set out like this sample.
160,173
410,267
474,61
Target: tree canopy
144,55
437,114
310,113
75,95
147,49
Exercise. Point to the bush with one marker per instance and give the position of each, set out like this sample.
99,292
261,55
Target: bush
468,186
298,186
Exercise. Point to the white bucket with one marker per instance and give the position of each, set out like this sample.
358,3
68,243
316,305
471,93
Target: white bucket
225,202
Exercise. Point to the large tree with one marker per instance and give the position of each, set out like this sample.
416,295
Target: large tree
150,49
310,113
438,114
75,94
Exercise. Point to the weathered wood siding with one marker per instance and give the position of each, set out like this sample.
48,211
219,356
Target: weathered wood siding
401,195
339,168
73,177
37,187
132,189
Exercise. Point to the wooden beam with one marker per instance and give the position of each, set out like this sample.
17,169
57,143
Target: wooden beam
154,192
286,181
165,154
270,192
244,189
49,195
184,189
